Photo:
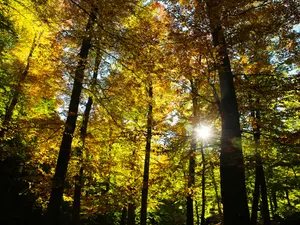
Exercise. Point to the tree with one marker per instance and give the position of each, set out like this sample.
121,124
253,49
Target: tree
147,157
18,89
83,133
165,69
55,201
231,160
260,181
193,147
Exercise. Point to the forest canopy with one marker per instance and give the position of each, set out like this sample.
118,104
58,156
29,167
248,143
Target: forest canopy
124,112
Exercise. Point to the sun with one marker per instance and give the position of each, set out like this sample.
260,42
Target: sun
203,132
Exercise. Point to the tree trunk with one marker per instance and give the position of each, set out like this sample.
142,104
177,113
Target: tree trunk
287,197
274,198
264,198
256,193
147,157
192,160
272,207
260,180
124,216
83,131
197,213
203,185
77,195
216,188
18,89
191,183
233,188
53,211
255,198
260,187
79,177
131,214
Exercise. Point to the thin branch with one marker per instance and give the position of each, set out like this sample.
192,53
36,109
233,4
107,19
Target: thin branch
83,9
249,9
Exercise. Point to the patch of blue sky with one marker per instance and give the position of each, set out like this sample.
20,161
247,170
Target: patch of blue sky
146,2
296,28
172,118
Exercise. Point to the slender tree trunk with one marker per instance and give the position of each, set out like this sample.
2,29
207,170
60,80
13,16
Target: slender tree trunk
147,158
124,216
197,213
256,193
260,180
255,198
53,211
192,160
79,177
83,132
264,198
18,89
274,198
272,207
77,195
131,214
287,197
191,183
215,188
203,185
233,188
260,187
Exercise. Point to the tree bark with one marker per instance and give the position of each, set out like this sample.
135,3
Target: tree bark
287,197
255,198
191,183
274,198
203,185
233,188
192,160
197,213
77,196
216,188
131,214
260,181
147,158
260,187
83,132
124,216
272,207
264,196
256,193
53,211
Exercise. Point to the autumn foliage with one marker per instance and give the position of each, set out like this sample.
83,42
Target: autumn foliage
101,103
